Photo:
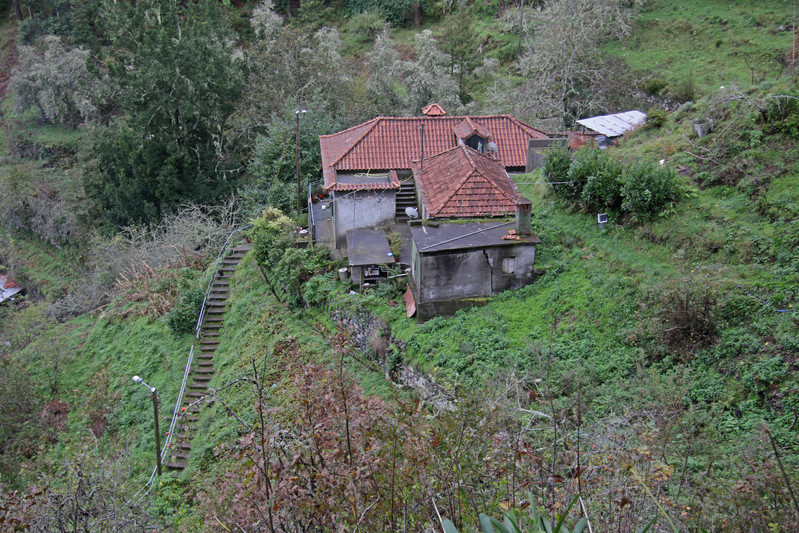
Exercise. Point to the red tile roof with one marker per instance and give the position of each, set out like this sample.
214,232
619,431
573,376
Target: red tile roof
462,182
468,127
433,110
386,143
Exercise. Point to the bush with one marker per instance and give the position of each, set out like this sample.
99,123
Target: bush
184,315
648,188
654,86
395,11
270,236
689,317
656,117
684,91
556,168
603,182
366,25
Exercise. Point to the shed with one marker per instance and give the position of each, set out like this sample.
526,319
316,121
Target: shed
614,125
369,255
9,288
461,264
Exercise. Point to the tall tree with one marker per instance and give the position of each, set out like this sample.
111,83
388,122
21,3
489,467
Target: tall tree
55,80
566,75
428,78
460,41
289,64
180,77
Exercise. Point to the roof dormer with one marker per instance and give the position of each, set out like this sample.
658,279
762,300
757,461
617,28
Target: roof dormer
472,134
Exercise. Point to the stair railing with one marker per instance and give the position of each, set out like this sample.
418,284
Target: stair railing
145,490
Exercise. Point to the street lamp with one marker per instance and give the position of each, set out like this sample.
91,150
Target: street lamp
137,379
298,113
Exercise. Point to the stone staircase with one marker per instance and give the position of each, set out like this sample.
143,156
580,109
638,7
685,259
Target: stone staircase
203,368
406,197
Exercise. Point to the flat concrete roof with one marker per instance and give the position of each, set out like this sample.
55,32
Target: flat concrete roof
368,247
463,235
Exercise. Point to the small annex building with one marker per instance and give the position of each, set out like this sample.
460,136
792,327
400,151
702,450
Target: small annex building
460,264
367,169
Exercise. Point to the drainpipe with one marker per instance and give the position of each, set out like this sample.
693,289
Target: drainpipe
421,161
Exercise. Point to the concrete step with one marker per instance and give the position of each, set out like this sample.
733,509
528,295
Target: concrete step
180,456
219,292
176,465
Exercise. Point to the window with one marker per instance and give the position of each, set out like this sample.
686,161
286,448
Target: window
476,142
508,265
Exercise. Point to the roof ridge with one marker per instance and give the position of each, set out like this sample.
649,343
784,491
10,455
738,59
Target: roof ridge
351,127
366,131
493,184
457,188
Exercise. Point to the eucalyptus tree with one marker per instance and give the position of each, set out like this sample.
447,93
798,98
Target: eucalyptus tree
54,79
565,73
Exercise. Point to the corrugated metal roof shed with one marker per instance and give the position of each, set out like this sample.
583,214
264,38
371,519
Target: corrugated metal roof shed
614,125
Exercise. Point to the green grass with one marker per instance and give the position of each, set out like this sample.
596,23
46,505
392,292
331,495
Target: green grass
711,40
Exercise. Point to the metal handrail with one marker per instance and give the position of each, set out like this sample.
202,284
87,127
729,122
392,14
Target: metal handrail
187,370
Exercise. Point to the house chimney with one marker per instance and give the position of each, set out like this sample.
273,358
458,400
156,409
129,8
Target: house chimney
524,210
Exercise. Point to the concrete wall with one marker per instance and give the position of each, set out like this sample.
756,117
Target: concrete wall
460,274
362,209
537,151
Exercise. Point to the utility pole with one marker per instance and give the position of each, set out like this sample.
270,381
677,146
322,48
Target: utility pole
521,28
137,379
297,113
157,434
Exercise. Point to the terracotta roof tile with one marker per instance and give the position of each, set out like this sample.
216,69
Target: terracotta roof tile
386,143
462,182
468,127
433,110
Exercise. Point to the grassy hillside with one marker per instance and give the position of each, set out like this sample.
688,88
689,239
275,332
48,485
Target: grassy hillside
710,43
659,354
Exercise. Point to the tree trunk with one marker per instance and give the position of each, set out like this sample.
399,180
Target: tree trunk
18,10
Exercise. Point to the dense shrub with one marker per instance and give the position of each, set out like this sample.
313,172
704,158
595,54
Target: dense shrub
184,315
587,162
297,266
656,117
648,188
556,169
603,182
654,86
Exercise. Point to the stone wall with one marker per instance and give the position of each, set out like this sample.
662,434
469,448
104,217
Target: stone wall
363,326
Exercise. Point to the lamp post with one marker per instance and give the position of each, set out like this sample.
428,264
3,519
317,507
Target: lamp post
297,113
137,379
